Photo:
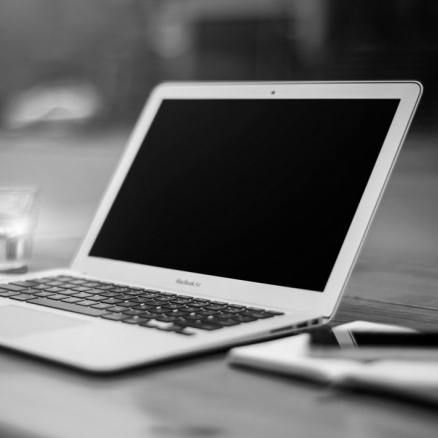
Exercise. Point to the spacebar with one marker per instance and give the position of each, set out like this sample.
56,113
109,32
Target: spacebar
67,306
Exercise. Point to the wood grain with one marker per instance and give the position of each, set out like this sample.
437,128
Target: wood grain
395,280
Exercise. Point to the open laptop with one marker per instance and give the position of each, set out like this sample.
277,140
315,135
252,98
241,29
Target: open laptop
235,214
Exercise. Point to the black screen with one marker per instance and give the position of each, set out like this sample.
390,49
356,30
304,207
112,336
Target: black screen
256,190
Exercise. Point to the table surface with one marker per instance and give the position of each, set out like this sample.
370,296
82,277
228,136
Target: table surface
395,280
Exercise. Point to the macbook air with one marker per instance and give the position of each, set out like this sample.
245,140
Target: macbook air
236,214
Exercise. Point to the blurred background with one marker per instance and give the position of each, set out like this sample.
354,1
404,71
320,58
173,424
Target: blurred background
74,76
93,62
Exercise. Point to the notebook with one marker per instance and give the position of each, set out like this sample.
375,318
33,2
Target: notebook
408,378
236,214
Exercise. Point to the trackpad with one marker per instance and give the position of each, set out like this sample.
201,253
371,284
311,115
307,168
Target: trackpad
18,321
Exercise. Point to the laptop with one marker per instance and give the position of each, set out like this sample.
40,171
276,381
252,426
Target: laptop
236,214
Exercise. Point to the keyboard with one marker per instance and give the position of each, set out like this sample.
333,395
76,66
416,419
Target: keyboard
132,305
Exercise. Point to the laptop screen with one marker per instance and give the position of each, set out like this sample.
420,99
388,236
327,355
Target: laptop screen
255,190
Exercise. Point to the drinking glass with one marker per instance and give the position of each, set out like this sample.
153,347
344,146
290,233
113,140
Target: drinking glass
18,217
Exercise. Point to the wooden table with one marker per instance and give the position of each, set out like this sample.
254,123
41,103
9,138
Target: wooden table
395,280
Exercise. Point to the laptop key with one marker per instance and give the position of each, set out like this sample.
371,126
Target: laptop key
275,313
68,285
129,304
68,292
237,306
42,280
41,286
150,315
147,323
12,287
109,294
133,312
22,297
115,309
55,289
8,293
259,314
164,298
64,278
115,316
67,306
81,288
55,283
78,281
132,293
207,312
57,297
71,300
197,303
192,316
177,312
166,318
135,320
199,324
234,310
180,330
144,307
226,315
33,291
174,306
85,303
266,314
123,297
97,298
24,283
143,300
213,306
100,306
225,322
111,301
188,309
119,289
104,286
43,294
82,295
243,318
91,284
182,300
160,310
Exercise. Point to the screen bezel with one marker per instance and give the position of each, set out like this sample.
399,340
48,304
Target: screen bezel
280,297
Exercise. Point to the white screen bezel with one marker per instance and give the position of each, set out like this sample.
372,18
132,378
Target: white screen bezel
286,298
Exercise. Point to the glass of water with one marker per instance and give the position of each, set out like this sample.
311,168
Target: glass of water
18,217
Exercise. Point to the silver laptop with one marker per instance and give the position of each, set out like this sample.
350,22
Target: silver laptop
235,214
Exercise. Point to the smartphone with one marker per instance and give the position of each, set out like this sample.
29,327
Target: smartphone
392,340
368,341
